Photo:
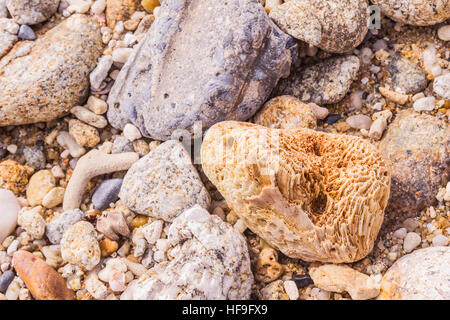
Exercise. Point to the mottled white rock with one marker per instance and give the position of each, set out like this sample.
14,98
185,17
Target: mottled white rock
411,241
31,220
441,86
423,274
101,71
120,55
89,117
152,231
96,105
440,240
291,289
98,6
3,9
425,104
400,233
79,6
9,209
212,262
164,183
58,225
9,25
131,132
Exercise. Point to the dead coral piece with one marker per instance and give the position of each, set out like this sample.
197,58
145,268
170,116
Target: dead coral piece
312,195
112,225
267,268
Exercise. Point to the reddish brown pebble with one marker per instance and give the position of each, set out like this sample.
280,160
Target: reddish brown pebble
42,280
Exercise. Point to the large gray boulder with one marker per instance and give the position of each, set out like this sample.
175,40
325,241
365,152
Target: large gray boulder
205,61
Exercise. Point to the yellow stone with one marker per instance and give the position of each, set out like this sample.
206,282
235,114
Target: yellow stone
139,221
150,5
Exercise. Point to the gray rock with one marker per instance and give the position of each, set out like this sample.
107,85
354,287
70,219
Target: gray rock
421,275
5,280
106,193
211,262
56,228
122,144
407,76
332,25
35,157
441,86
26,33
323,83
417,149
7,40
32,11
205,61
38,87
164,183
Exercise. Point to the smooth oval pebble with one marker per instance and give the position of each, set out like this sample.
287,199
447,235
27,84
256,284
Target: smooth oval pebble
9,210
42,280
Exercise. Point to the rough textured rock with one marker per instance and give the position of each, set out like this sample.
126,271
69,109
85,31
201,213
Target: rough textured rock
31,11
36,86
57,226
196,65
407,76
164,183
323,83
31,220
332,25
286,112
79,245
441,86
417,148
312,195
211,262
8,215
421,275
14,176
7,41
42,280
119,10
415,12
340,278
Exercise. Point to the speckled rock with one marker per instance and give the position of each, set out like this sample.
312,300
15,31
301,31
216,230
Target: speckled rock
8,214
415,12
311,195
211,262
421,275
31,220
57,226
119,10
332,25
417,148
39,87
323,83
441,86
40,184
42,280
274,291
7,41
407,76
122,144
164,183
14,176
286,112
79,245
35,157
206,67
31,11
106,193
84,134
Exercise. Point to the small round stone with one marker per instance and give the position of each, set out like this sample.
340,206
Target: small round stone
444,33
359,122
411,241
32,221
440,240
40,184
26,33
54,197
131,132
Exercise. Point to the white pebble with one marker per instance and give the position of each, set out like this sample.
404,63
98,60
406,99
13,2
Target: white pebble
101,71
98,7
291,289
440,240
444,33
359,121
425,104
12,148
400,233
131,132
79,6
120,55
447,192
96,105
412,241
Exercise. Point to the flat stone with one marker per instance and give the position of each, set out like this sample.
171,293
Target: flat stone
415,12
209,252
323,83
58,225
9,213
407,76
38,87
106,193
32,11
417,149
332,25
195,65
42,280
164,183
421,275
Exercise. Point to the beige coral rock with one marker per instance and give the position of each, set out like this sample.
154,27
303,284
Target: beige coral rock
286,112
267,267
312,195
340,278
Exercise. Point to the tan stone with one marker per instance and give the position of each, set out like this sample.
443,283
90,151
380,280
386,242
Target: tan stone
84,134
42,280
40,184
119,10
396,97
311,195
267,267
14,176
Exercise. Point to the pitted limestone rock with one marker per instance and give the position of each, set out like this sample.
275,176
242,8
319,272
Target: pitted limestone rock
312,195
205,61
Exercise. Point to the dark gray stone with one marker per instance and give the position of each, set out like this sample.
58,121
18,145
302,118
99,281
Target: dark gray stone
56,228
35,157
107,192
205,61
26,33
407,77
5,280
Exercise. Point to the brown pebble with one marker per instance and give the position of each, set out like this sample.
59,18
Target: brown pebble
42,280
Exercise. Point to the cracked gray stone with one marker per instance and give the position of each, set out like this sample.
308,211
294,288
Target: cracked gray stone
205,61
32,11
